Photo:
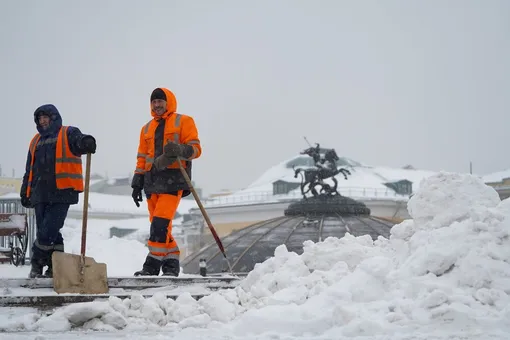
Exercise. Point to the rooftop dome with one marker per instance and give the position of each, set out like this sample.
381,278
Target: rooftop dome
256,243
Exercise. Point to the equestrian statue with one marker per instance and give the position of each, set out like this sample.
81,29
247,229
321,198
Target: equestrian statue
325,167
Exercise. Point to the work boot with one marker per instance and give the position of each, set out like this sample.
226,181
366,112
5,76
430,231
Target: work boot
151,267
35,270
145,272
49,272
170,267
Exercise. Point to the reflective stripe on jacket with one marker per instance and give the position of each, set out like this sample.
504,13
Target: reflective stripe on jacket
177,128
68,167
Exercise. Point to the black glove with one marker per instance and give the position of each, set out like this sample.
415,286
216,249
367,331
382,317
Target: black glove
161,162
137,196
88,144
172,149
137,185
25,201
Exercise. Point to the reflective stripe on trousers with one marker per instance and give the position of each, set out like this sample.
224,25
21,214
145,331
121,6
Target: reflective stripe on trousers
162,208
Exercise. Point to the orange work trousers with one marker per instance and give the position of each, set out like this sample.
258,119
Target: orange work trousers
162,208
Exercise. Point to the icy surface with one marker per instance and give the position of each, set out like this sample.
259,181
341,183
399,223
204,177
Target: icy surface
443,275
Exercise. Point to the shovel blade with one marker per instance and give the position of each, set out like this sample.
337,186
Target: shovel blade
68,277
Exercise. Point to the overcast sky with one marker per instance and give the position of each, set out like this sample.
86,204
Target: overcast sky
383,82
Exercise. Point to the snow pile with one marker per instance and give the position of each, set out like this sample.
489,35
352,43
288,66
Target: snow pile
123,256
446,271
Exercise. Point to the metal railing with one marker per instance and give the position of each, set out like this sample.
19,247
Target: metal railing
13,206
268,196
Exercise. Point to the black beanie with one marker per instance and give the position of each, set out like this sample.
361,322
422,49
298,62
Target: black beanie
158,94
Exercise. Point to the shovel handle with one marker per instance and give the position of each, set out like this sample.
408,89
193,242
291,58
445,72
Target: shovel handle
85,206
204,213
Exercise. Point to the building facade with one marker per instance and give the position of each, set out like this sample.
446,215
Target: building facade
502,187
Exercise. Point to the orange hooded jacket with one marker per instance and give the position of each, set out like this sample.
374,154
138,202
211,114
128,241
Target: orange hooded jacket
178,128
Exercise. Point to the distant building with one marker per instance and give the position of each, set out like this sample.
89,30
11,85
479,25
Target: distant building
223,192
401,187
122,186
113,186
10,185
500,181
283,187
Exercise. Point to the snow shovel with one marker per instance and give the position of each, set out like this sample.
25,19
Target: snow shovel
77,273
206,217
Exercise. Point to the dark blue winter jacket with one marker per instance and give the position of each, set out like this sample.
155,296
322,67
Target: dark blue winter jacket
44,184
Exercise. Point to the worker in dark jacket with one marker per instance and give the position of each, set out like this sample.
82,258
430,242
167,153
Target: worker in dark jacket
52,181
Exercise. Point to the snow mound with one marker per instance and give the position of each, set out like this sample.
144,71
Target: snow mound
447,197
445,271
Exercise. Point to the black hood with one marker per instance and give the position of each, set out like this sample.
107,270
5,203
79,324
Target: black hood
55,119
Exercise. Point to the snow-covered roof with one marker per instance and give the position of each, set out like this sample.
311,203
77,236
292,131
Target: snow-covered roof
283,170
388,174
365,180
496,176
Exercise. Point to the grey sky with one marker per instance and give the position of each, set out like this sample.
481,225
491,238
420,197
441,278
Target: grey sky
384,82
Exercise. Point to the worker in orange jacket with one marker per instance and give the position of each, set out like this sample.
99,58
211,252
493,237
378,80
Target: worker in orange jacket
167,137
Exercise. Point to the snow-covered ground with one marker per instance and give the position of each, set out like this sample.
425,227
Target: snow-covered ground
443,275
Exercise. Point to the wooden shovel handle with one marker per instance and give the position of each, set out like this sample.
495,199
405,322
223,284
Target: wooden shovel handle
85,207
204,213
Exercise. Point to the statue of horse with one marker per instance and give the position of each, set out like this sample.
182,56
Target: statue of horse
324,168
